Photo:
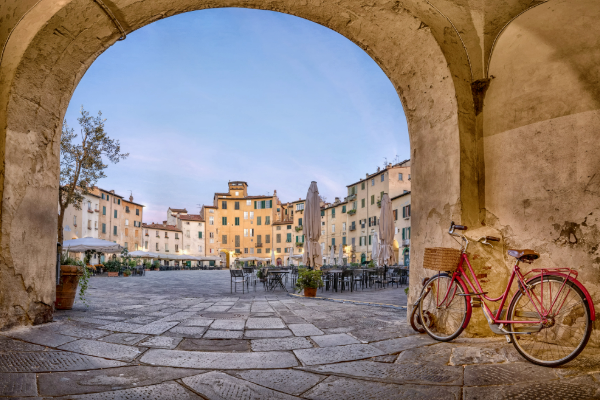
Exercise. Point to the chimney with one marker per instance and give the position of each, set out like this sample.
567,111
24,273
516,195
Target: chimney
131,198
165,223
378,169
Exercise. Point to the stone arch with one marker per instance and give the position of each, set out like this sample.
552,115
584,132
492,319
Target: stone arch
51,48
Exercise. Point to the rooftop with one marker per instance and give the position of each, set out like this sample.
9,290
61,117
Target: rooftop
161,227
178,210
400,164
191,217
400,195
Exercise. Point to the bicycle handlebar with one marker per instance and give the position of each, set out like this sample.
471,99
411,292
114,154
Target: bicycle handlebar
453,226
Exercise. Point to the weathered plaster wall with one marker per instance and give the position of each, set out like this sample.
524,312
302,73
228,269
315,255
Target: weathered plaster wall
541,138
55,43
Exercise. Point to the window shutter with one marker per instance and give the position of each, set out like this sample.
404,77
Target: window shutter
255,204
343,209
408,233
370,236
403,233
300,221
262,204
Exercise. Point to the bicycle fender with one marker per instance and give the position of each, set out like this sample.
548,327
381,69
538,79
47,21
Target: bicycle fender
588,298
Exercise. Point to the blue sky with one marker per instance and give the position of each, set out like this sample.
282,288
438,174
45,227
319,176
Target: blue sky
210,96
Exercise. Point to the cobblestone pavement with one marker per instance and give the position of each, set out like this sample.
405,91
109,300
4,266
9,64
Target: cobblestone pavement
183,335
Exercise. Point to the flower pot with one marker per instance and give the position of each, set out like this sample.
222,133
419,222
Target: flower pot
66,291
147,269
110,273
310,292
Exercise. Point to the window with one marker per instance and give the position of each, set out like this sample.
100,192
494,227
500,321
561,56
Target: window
354,204
103,210
146,245
211,240
362,185
278,238
399,177
114,230
89,224
333,213
409,177
187,247
332,228
343,209
362,203
211,235
279,228
95,225
372,199
267,238
406,211
107,197
187,233
258,251
382,177
75,220
353,241
286,250
211,211
370,236
199,234
405,233
126,222
211,220
258,238
268,250
344,240
223,220
119,202
211,251
236,205
166,246
237,221
102,196
299,206
372,181
199,249
333,241
245,250
245,232
395,215
115,213
278,250
289,238
224,239
137,211
251,214
176,235
156,246
127,209
237,240
267,220
322,213
224,205
248,202
289,227
251,232
258,221
343,227
251,250
323,223
322,232
245,214
126,231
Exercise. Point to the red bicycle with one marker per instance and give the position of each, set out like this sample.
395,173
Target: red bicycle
549,318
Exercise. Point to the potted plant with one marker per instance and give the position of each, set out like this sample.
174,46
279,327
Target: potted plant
112,266
147,266
352,212
156,265
260,275
72,273
309,281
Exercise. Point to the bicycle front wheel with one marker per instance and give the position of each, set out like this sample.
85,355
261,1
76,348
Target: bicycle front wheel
443,310
567,329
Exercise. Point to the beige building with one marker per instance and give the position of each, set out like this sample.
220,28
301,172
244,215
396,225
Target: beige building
364,205
192,228
162,238
292,222
240,225
402,210
84,222
334,230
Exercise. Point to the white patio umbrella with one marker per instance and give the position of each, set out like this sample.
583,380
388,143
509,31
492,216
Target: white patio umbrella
332,255
386,231
312,228
272,256
87,243
290,256
341,254
375,247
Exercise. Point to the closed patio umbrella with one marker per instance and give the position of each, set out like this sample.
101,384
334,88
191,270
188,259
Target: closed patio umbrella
386,232
272,256
332,255
312,228
341,254
375,247
290,256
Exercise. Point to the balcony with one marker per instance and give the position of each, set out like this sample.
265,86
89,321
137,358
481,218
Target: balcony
406,242
299,228
379,203
89,228
259,245
352,212
90,211
95,210
299,244
351,197
352,228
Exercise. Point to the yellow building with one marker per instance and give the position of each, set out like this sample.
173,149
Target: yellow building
334,230
291,231
364,205
238,224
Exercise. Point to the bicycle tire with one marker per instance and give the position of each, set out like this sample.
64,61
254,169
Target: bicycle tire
415,320
578,305
433,320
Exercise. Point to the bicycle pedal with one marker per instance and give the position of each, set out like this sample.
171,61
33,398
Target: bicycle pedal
475,302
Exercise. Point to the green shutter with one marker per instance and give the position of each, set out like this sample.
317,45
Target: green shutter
103,210
255,204
408,233
403,234
343,209
344,240
300,221
333,213
322,213
224,221
333,241
262,204
199,235
370,239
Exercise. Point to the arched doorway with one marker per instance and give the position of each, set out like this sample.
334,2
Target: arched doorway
41,67
279,262
406,257
363,258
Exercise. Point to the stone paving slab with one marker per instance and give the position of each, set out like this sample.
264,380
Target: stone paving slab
13,385
335,388
187,331
217,308
219,360
155,328
220,386
328,355
291,343
162,342
464,355
305,330
141,320
124,338
45,337
52,361
84,333
10,346
198,322
425,374
121,327
267,333
163,391
79,382
217,334
228,324
102,349
397,345
339,339
289,381
265,323
436,354
228,345
579,388
484,375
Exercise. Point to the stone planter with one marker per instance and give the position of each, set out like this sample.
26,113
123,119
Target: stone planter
310,292
112,274
147,269
66,291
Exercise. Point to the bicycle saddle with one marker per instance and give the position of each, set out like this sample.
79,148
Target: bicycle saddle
524,255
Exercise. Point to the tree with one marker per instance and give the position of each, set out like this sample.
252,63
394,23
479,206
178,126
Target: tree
82,161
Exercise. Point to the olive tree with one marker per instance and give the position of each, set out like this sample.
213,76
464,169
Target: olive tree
82,161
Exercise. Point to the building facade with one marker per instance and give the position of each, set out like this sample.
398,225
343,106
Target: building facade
402,217
162,238
119,220
84,222
334,230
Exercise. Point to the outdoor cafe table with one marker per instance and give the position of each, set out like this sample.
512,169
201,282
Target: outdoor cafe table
335,273
278,278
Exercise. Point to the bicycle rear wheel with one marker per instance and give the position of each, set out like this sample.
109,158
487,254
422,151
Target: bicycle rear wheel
443,311
567,331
